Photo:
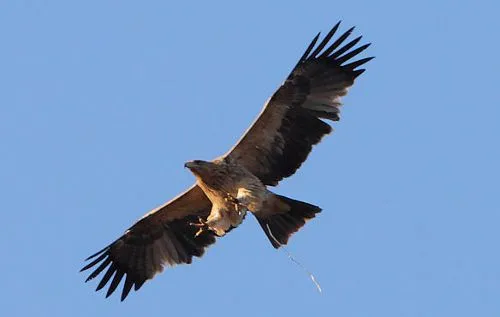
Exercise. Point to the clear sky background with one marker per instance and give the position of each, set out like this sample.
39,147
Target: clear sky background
102,102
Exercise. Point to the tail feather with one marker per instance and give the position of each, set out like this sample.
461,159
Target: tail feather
279,226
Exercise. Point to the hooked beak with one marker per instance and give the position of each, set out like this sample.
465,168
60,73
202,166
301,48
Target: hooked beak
189,164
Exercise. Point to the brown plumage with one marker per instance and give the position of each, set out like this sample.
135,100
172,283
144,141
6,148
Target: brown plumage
273,148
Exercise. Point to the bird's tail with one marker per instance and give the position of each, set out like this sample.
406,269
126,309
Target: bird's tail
286,218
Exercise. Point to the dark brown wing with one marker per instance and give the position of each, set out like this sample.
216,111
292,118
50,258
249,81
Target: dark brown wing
163,236
282,137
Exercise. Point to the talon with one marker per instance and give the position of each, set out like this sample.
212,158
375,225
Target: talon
200,231
238,207
200,224
231,199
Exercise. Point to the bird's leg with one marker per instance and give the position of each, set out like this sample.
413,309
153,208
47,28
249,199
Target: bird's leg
240,204
201,224
231,199
234,201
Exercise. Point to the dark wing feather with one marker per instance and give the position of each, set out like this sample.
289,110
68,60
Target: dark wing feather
163,236
281,138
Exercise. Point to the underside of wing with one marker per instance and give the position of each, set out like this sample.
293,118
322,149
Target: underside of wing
282,137
164,236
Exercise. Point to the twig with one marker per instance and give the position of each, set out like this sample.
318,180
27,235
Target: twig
311,276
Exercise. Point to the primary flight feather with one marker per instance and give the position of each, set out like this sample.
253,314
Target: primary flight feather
273,148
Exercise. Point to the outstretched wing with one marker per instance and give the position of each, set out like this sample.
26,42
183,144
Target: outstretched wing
163,236
281,138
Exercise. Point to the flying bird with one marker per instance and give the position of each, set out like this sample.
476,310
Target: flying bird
226,188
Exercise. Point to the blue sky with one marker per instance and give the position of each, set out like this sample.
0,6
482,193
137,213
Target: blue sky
103,101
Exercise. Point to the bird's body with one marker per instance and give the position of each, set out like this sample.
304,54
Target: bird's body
231,189
273,148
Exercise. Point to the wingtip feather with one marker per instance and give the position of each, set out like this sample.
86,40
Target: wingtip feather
325,41
358,63
344,58
97,253
337,42
129,282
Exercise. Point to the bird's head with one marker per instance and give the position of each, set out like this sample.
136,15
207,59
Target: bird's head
198,167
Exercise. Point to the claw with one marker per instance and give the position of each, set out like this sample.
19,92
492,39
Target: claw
234,201
200,231
201,224
231,199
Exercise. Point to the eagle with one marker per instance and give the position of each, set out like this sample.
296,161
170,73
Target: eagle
291,122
